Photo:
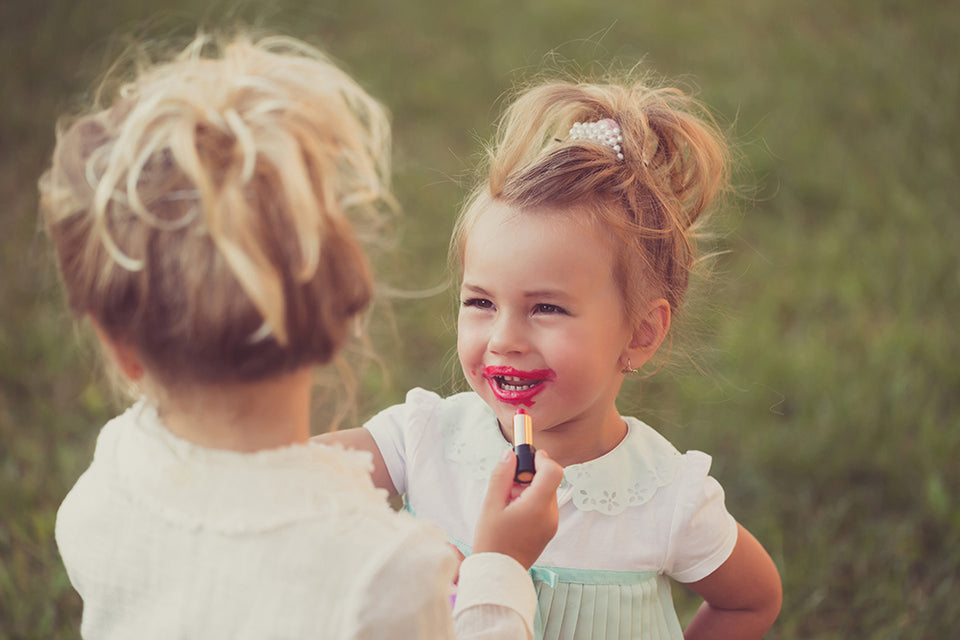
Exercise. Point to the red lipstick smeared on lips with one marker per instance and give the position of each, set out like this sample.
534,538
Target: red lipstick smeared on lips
516,387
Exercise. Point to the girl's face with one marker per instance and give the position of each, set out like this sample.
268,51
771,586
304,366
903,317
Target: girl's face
542,326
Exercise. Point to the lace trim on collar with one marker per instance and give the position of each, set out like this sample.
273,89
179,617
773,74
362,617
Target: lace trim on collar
628,476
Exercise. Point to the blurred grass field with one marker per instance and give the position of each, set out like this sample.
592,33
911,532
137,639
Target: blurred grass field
827,380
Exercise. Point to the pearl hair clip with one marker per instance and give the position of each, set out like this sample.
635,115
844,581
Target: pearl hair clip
605,131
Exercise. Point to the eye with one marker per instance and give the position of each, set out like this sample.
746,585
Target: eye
479,303
546,308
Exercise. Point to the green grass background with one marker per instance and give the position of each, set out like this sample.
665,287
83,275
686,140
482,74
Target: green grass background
827,376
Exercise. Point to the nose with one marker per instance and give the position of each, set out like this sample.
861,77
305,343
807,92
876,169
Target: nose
508,335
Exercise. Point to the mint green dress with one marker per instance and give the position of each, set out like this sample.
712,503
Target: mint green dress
589,604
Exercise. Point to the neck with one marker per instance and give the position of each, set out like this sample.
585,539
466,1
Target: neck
578,440
246,417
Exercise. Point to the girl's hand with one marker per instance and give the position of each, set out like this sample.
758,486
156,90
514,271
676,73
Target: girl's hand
519,520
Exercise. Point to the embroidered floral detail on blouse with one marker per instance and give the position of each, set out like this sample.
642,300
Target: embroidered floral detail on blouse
628,476
471,437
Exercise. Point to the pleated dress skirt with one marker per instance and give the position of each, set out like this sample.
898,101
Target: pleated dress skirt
574,604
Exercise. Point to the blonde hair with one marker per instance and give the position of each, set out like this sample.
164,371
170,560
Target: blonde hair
207,216
648,205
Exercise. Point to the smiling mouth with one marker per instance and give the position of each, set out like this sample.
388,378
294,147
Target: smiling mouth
515,383
517,387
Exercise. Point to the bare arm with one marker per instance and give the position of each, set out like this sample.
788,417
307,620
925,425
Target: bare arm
361,439
741,598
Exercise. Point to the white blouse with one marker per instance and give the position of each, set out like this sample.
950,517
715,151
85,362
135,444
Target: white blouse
628,520
164,539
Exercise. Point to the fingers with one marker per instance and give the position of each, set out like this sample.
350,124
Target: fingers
550,473
519,528
547,479
501,482
503,490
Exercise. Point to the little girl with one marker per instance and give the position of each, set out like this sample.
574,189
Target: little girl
204,222
575,254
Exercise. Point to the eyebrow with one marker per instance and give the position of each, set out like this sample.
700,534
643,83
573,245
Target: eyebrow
472,288
549,294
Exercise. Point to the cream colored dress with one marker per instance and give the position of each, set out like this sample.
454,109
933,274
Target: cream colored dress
164,539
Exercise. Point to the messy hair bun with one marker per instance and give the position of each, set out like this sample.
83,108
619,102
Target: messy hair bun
649,202
206,216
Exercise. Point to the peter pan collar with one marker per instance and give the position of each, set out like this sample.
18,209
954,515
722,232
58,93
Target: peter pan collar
627,476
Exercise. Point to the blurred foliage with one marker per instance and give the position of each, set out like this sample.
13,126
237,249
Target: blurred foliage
818,367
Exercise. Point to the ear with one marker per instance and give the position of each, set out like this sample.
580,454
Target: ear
648,333
124,355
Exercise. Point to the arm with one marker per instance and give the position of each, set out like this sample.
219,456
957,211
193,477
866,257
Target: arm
361,439
741,598
516,523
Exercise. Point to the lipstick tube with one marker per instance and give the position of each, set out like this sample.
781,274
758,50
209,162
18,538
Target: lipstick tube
523,446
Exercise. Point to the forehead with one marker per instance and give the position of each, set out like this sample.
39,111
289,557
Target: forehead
536,245
498,223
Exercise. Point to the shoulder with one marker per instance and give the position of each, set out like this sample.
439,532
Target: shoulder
464,408
80,518
648,446
642,469
418,404
445,406
88,515
699,530
685,477
91,489
641,436
422,408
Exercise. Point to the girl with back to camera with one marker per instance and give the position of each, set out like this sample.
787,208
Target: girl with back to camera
205,223
575,253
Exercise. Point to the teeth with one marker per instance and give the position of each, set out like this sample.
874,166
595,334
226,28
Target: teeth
513,383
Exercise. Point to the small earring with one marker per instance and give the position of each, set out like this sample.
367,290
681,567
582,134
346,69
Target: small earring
630,370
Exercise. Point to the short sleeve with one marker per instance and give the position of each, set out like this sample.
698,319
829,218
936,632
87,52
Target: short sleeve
397,430
703,533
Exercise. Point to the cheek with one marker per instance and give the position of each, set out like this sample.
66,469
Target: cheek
472,367
467,350
565,361
579,357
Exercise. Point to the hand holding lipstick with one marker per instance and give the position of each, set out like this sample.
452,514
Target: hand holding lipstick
519,526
